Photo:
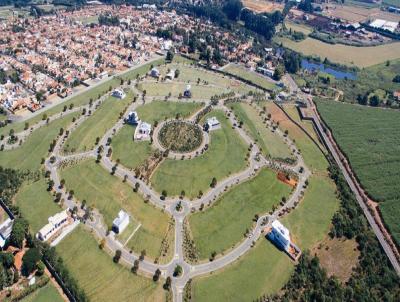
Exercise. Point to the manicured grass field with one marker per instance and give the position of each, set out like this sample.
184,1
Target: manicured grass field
265,269
349,55
270,142
189,74
250,76
36,204
164,88
84,97
29,155
224,224
225,156
369,137
48,293
84,137
109,194
100,278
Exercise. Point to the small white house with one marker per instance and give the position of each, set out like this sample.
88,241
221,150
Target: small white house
212,123
280,235
143,131
56,223
170,75
133,118
120,222
5,231
119,93
187,93
155,73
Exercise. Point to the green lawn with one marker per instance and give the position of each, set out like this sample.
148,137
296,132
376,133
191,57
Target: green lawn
223,225
109,194
225,156
84,97
100,278
47,293
370,139
29,155
104,118
270,142
264,269
251,76
130,153
36,204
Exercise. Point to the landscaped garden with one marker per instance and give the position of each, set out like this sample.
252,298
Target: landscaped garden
180,136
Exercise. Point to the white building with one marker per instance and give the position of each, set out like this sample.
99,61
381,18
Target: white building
187,93
119,93
121,222
280,235
155,73
170,75
133,118
5,231
142,131
212,123
385,25
56,223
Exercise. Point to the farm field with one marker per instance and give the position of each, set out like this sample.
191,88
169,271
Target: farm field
368,138
100,278
299,27
251,76
358,11
271,143
101,120
224,224
109,194
265,269
36,204
344,54
263,6
47,293
84,97
225,156
29,155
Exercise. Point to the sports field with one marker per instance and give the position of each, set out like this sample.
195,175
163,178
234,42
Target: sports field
101,120
344,54
251,76
225,156
265,269
271,143
109,194
99,277
47,293
369,138
29,155
224,224
36,204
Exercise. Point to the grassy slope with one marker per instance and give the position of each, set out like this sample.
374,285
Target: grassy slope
369,138
264,269
84,97
48,293
84,137
226,155
100,278
36,204
250,76
109,194
29,155
223,225
271,143
164,88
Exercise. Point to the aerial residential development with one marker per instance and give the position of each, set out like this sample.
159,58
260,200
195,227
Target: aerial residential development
229,150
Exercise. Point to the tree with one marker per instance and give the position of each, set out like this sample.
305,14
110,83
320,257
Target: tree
396,79
157,274
7,259
278,73
40,268
30,260
135,266
232,9
18,232
178,270
170,56
142,255
117,256
374,100
167,284
213,182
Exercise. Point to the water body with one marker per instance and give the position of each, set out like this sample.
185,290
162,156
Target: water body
338,74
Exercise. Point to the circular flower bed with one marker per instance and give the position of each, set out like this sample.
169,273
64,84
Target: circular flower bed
180,136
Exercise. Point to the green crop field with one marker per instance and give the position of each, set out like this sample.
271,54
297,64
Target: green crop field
265,269
251,76
344,54
108,194
225,156
47,293
36,204
84,97
84,137
271,143
224,224
100,278
29,155
369,138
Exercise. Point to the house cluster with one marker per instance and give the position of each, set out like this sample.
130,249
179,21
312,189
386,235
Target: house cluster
142,130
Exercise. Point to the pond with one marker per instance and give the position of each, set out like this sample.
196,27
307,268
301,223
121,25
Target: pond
338,74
